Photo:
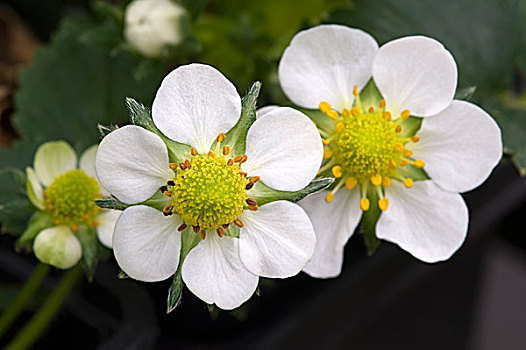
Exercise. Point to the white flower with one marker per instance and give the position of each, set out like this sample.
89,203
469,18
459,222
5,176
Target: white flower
375,146
211,189
150,25
66,193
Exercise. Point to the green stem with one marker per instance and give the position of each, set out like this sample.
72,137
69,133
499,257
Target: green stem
14,309
42,319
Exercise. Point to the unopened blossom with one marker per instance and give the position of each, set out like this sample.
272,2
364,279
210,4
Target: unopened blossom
210,189
64,190
395,139
150,25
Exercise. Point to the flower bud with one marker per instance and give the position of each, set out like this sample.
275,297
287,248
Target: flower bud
152,24
58,246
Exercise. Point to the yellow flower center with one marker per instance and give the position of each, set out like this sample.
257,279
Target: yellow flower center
209,190
70,198
367,149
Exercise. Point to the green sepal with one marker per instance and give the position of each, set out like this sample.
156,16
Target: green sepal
157,201
91,248
111,203
465,93
370,96
368,223
415,173
189,240
264,194
237,136
38,222
140,115
411,126
106,130
323,123
232,231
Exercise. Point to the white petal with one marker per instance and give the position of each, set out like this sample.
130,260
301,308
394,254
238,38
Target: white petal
324,63
146,243
214,272
53,159
284,148
277,240
34,189
132,163
58,246
426,221
460,146
334,223
107,220
194,104
264,110
87,161
415,73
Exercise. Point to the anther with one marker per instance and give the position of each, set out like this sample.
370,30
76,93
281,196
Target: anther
337,171
327,153
57,222
163,189
399,147
405,114
251,201
382,104
196,228
419,163
220,232
371,110
355,112
415,139
243,174
95,223
407,153
364,204
249,186
386,182
387,116
75,227
325,142
168,193
383,203
85,217
346,113
392,164
339,127
182,227
355,91
226,225
408,182
211,154
254,179
203,235
404,162
325,106
241,158
329,197
171,183
253,207
182,166
188,164
376,179
193,151
350,183
226,150
220,137
173,166
398,128
332,114
167,210
238,223
230,162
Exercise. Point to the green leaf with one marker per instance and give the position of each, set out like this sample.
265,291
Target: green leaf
188,241
264,194
485,37
39,221
236,137
140,115
72,86
90,249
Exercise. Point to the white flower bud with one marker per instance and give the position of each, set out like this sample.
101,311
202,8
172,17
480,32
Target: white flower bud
152,24
58,246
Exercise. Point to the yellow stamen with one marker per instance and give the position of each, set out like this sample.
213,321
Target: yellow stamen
419,163
392,164
399,148
226,150
415,138
325,142
220,137
193,151
337,171
327,153
408,182
371,110
339,127
211,154
173,166
355,112
398,128
386,182
355,91
407,153
329,197
332,114
350,183
382,104
404,162
364,204
387,116
383,203
346,113
325,107
376,179
405,114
